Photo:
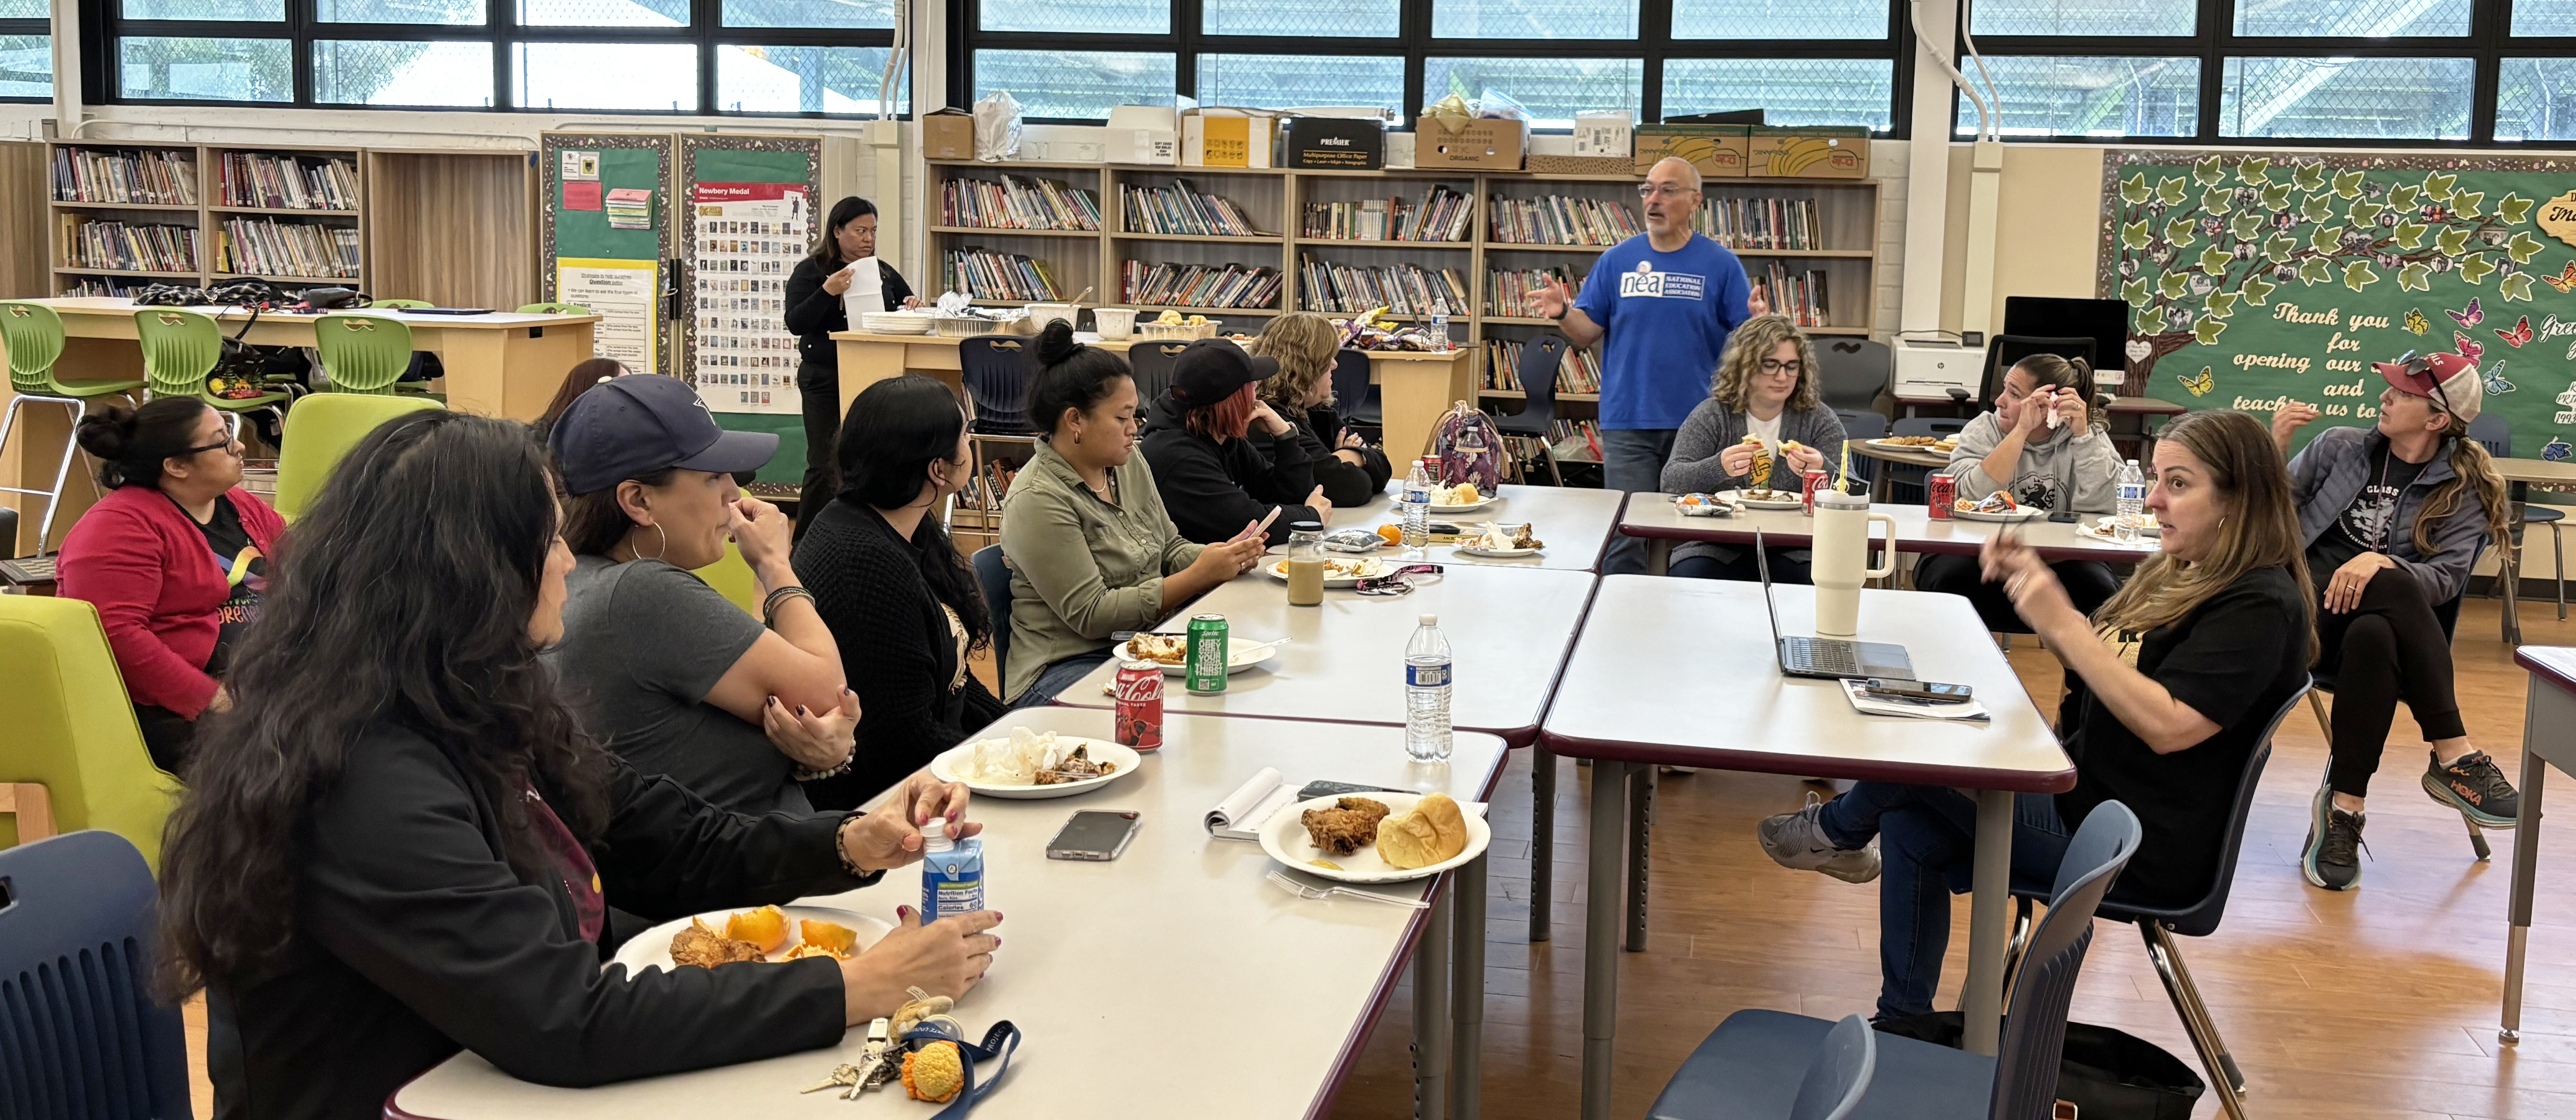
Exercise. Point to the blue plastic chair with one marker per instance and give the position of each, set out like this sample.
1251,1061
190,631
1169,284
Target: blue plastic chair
1860,424
997,371
1742,1069
994,574
80,1034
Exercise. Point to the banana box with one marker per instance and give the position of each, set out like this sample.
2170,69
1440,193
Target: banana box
1717,150
1808,153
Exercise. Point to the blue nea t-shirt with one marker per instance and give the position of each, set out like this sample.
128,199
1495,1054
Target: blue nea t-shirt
1668,315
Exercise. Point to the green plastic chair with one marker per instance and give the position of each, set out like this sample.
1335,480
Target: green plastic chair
399,304
34,337
553,309
731,577
71,726
180,348
320,432
363,353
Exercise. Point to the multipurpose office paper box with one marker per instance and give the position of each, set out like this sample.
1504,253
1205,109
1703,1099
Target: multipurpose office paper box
1717,150
1811,152
1333,143
1494,145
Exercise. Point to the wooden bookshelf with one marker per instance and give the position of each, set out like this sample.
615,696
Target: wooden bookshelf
456,227
204,210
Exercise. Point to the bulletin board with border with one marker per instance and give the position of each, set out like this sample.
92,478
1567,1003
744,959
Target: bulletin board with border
626,161
793,161
2256,278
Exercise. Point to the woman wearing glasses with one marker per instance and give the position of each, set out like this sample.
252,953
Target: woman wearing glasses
175,558
2392,517
1762,405
2042,444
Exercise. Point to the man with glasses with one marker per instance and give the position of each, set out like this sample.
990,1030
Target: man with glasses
1665,300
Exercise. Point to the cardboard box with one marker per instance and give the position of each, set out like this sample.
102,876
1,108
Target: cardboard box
1144,134
1717,150
1332,143
948,134
1808,153
1228,138
1494,145
1605,134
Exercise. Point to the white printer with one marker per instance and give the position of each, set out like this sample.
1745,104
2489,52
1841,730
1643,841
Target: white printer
1930,370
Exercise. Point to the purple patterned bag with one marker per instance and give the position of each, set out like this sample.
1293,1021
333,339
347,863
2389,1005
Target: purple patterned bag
1470,448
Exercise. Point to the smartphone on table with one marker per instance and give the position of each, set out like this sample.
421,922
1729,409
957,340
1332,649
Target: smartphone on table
1094,834
1923,692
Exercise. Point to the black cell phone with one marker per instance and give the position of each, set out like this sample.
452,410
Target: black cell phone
1093,834
1317,789
1930,692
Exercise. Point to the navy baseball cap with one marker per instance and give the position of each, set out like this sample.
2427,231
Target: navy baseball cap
632,426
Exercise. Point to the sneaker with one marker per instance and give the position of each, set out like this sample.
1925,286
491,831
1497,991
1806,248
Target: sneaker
2476,787
1797,841
2333,856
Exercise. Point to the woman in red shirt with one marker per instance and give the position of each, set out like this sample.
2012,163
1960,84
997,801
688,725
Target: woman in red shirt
175,558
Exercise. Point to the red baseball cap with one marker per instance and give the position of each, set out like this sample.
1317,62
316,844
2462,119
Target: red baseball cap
2448,380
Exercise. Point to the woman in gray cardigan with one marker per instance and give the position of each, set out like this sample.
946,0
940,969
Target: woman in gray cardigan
2013,449
1765,387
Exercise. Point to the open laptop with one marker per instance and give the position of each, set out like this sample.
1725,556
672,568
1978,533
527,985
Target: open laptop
1831,658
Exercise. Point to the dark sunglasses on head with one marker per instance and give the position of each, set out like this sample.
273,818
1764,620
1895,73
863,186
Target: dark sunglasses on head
1396,582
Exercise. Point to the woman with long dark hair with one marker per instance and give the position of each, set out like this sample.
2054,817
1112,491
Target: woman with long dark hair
587,374
898,598
1222,457
814,311
399,844
174,557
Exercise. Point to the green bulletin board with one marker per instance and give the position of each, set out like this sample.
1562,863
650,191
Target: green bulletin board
638,161
2255,278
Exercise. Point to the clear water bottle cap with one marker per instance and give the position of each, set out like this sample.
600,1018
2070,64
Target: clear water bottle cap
1430,620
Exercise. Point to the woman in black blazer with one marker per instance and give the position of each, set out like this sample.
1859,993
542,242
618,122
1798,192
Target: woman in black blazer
901,602
814,311
369,877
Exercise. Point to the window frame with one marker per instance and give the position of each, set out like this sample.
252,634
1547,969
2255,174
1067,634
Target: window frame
1415,44
102,26
2486,45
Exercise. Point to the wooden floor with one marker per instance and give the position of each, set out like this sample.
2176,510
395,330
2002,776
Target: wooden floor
2377,1004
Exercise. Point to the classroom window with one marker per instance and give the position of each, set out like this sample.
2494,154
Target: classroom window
158,68
604,13
2098,96
27,66
1281,81
441,12
1552,89
1791,91
2353,19
2346,98
2538,18
1075,84
753,79
454,75
226,10
661,77
2536,99
1524,19
1322,18
1779,19
2084,17
869,14
1084,17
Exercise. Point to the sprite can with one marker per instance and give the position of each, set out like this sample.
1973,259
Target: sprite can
1206,670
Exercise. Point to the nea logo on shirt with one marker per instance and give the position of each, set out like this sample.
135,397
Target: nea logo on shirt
1647,282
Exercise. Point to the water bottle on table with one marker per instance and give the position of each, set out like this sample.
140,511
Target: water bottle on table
1426,693
2133,503
1417,511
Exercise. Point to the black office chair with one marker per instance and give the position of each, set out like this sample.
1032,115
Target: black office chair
1852,372
1354,397
997,371
2007,350
993,575
1541,359
1151,362
1905,482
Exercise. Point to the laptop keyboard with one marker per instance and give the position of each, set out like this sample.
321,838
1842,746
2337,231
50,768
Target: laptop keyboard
1823,656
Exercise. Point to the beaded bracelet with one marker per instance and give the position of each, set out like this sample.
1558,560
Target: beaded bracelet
769,606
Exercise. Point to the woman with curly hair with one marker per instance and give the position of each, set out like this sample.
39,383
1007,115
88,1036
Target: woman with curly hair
1305,345
1762,407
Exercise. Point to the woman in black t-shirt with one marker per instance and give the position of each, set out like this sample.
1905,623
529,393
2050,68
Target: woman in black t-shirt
2170,686
814,311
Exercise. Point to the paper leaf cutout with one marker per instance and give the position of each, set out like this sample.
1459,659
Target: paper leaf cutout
2251,171
2220,304
2309,177
2327,239
2133,190
2281,247
2452,241
2318,208
2135,236
2437,186
2258,289
2523,247
2215,260
2475,268
2137,292
2276,197
2401,196
2358,275
2364,212
2175,285
2207,331
2514,209
2464,204
2217,200
2316,270
2347,184
2170,191
2414,278
2209,172
2515,287
2248,225
2410,235
2178,233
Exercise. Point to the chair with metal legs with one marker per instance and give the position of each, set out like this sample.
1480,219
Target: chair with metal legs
34,337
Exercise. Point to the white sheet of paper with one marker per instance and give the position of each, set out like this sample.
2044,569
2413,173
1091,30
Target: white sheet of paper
867,290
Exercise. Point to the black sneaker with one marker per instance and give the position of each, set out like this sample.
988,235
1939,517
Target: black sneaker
2476,787
2333,856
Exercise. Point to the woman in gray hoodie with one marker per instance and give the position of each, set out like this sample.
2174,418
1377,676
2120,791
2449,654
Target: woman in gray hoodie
1765,389
2018,450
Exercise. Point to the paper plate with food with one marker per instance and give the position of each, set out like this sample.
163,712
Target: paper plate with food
1764,498
769,933
2150,537
1998,506
1338,571
1940,445
1702,505
2102,526
1462,498
1032,765
1172,651
1502,541
1380,838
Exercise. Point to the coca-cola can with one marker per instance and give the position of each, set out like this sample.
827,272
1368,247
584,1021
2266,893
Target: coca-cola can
1809,482
1943,492
1138,723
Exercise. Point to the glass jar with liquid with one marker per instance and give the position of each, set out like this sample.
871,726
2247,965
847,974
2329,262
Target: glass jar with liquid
1306,564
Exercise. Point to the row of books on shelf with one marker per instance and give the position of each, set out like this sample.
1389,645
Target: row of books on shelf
991,275
1405,289
1507,290
268,247
986,491
1017,202
1180,209
1442,216
1798,295
1200,285
1761,223
1561,220
111,287
1580,372
107,175
128,248
289,182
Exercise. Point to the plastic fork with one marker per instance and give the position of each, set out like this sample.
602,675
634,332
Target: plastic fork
1301,890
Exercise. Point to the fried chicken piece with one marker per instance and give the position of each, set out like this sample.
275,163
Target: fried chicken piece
700,946
1348,826
1076,767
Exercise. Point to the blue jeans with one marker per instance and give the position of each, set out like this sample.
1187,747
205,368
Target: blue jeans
1059,676
1927,838
1632,461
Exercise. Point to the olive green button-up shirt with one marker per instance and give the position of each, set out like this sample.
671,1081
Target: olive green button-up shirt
1082,568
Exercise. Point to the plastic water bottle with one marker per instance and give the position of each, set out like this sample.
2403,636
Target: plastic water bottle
1426,693
2133,503
1440,329
1417,512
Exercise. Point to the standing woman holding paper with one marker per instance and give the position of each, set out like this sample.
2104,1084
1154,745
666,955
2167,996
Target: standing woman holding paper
816,306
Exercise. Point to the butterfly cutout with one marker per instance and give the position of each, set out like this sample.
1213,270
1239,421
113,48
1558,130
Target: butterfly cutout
2467,347
2471,317
2565,281
2521,333
2496,384
2200,383
2416,322
2557,451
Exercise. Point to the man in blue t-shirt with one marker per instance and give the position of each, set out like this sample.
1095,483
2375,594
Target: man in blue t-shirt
1666,300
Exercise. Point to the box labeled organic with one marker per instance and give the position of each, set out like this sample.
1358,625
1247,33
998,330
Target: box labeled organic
1717,150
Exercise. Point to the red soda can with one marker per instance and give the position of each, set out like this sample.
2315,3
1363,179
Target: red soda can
1808,483
1944,494
1139,720
1431,470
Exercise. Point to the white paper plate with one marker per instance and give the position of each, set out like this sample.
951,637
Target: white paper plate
1123,759
2103,525
1737,496
1925,448
2025,513
1490,498
2144,543
652,948
1236,659
1497,553
1284,837
1278,570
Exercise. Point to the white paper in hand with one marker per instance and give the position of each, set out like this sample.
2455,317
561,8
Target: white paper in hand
867,291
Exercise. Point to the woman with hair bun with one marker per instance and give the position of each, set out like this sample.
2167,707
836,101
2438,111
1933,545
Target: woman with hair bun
2015,449
1091,550
175,558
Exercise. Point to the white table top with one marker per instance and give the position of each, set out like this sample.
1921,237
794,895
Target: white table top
119,305
1174,981
1676,671
1508,633
1574,522
1653,515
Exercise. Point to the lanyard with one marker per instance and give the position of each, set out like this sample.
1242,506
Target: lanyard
996,1050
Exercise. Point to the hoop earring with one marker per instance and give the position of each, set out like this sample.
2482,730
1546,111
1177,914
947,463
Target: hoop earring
661,544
